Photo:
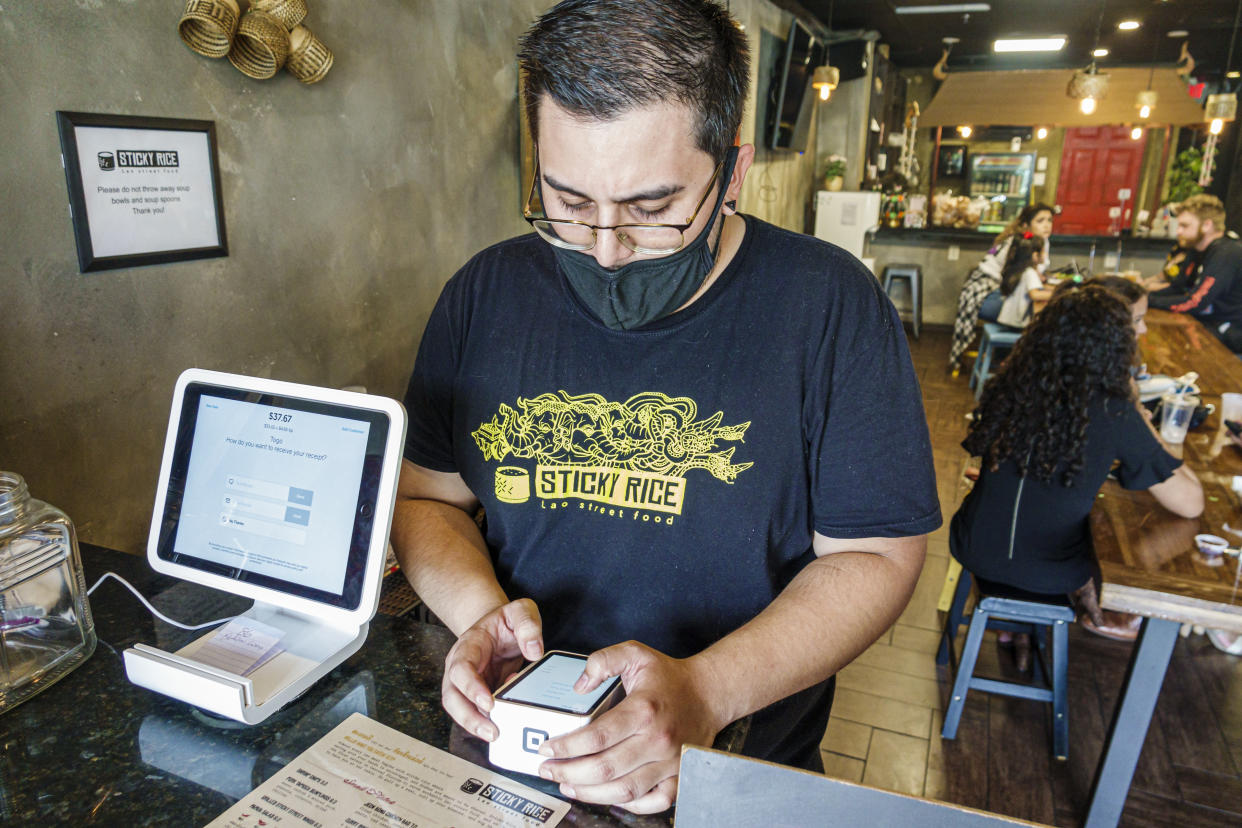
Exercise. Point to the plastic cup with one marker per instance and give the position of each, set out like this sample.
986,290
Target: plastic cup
1231,407
1175,411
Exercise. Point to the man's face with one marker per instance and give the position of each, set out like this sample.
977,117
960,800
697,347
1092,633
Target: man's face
1190,230
643,167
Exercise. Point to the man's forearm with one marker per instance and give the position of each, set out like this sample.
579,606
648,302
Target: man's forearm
444,557
832,611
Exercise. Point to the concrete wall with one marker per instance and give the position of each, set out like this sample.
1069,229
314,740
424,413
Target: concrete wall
348,205
781,185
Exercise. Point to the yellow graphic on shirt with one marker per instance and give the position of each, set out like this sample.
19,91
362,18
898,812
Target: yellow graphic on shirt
632,455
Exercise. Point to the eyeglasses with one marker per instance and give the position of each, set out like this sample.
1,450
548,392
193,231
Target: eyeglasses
651,239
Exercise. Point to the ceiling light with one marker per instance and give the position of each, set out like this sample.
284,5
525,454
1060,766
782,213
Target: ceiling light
954,8
1136,133
825,80
1177,33
1221,107
1041,133
1051,43
1128,25
1087,85
964,131
1234,74
1145,101
1100,53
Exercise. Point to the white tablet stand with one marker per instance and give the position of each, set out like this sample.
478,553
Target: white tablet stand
197,485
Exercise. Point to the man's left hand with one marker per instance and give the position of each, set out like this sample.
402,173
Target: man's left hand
629,756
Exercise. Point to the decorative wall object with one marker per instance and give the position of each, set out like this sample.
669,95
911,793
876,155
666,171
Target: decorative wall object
268,37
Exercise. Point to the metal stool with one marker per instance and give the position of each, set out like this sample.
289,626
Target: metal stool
993,336
1016,616
913,274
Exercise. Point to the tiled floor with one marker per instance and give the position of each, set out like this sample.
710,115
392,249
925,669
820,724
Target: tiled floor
885,726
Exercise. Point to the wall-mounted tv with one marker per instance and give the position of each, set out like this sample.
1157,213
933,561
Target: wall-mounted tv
789,95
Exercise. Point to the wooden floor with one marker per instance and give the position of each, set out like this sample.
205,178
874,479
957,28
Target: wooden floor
885,726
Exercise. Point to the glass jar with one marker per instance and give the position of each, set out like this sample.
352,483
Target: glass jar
45,622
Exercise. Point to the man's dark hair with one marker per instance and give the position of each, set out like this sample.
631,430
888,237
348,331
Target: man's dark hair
599,59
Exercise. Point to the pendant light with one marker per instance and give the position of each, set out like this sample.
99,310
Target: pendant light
826,77
1223,106
1089,85
1145,101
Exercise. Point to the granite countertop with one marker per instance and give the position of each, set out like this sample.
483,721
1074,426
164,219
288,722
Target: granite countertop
93,749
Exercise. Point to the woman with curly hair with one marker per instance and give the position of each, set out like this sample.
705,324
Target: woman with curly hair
1050,425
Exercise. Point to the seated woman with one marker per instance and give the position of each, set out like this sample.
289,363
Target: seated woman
985,278
1049,427
1021,284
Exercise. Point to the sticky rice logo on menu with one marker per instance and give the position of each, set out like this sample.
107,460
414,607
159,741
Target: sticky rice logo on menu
509,800
139,159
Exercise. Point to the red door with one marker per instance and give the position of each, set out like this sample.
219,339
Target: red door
1097,163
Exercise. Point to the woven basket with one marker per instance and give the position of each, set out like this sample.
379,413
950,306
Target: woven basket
288,12
261,46
309,58
208,26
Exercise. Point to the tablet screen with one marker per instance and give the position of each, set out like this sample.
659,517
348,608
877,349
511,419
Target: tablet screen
274,491
550,683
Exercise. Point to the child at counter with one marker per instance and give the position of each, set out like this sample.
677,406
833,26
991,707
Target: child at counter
1021,286
1049,427
1035,219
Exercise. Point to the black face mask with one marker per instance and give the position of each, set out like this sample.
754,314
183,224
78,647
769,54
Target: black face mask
640,292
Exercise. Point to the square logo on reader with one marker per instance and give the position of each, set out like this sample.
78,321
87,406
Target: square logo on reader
532,739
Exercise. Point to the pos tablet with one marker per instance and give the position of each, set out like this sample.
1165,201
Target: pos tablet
282,493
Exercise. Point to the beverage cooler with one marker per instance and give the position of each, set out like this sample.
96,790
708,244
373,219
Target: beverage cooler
1004,179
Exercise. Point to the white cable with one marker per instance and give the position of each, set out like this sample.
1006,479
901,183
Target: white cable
154,611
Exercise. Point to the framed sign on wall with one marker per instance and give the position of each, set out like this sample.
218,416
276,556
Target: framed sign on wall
141,190
951,162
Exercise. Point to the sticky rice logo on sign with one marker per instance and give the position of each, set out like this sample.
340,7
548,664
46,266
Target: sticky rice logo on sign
147,158
627,460
139,160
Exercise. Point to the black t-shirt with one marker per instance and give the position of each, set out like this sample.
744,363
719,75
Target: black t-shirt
1215,295
663,484
1052,552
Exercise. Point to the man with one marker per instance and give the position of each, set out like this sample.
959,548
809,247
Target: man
698,438
1215,295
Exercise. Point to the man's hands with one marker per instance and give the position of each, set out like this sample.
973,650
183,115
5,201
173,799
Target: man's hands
486,654
629,756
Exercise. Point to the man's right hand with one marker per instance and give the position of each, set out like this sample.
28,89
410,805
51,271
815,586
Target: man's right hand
486,654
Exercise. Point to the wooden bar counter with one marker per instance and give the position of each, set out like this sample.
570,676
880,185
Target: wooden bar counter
1148,557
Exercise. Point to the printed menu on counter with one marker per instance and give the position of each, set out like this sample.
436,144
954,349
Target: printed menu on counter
363,773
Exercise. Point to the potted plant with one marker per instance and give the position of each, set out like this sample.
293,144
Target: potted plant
834,172
1184,177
